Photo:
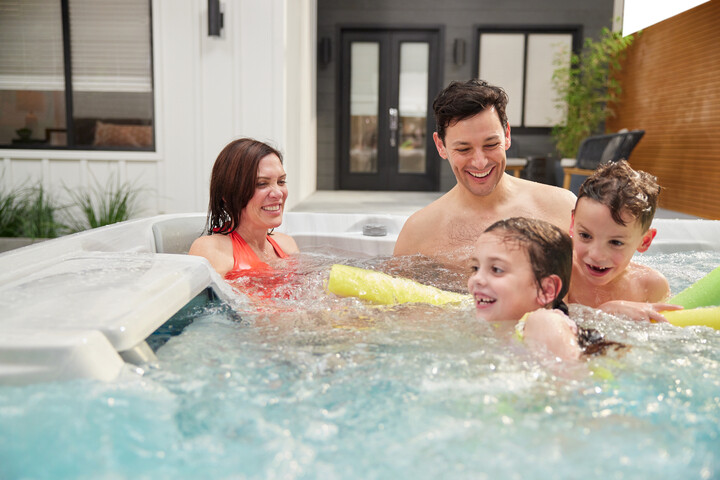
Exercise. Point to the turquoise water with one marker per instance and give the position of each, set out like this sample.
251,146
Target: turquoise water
331,388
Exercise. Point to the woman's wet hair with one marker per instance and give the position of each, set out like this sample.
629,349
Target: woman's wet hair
232,182
461,100
548,247
622,189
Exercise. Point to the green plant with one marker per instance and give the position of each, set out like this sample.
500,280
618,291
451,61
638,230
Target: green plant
12,211
29,212
588,89
39,221
98,206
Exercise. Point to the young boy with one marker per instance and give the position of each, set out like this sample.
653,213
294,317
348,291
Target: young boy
521,265
610,222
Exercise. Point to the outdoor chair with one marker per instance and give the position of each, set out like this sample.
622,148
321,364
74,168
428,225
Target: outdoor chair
600,149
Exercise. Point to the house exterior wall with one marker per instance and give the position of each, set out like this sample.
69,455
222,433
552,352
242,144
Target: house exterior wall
671,89
457,19
256,80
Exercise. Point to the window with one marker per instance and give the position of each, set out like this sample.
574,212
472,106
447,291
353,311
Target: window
76,74
522,61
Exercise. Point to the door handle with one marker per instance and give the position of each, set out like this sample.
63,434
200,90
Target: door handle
393,112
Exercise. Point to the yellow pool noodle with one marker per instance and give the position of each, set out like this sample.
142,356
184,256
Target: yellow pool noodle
703,293
383,289
703,316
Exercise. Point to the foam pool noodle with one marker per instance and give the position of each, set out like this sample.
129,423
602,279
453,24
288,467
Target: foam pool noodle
700,300
383,289
703,293
704,316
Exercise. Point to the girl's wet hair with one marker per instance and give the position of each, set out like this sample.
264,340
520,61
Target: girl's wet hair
548,247
622,189
232,182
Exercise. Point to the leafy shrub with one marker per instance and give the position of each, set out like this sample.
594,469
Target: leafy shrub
588,89
29,212
97,207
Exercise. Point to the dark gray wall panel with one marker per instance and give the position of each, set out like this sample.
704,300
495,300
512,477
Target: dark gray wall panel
458,17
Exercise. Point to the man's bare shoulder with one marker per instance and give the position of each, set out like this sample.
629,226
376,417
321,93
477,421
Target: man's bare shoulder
545,202
421,227
549,194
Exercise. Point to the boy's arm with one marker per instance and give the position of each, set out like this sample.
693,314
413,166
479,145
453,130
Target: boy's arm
655,289
638,311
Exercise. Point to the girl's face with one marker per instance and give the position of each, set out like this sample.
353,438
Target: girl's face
265,208
502,281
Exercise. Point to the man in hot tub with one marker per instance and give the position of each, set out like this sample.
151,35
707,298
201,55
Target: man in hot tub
473,135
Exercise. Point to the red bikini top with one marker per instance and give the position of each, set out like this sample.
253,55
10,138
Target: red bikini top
244,258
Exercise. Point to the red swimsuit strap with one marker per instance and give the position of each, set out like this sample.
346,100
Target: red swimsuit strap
244,257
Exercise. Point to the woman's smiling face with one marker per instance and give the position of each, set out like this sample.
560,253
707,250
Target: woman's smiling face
265,208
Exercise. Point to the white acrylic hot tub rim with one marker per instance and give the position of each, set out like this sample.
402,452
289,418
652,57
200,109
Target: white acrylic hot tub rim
56,350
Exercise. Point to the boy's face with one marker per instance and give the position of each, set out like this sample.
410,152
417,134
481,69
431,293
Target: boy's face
501,280
602,249
475,148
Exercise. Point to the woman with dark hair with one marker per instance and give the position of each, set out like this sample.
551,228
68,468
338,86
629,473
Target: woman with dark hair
247,198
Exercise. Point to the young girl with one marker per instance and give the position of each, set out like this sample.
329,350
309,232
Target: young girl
520,273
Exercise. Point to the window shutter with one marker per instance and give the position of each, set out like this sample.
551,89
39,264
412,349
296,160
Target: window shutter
31,52
110,45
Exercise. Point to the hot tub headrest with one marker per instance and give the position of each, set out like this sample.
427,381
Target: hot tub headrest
175,235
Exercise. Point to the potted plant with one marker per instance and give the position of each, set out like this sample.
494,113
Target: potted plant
587,89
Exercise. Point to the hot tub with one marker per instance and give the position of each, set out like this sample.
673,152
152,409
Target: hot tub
321,387
83,305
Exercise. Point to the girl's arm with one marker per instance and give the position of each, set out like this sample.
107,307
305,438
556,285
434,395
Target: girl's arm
552,331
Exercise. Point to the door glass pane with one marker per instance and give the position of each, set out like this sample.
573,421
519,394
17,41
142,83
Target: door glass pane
546,52
364,102
414,59
502,64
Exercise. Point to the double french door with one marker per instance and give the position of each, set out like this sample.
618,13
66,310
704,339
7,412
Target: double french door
389,79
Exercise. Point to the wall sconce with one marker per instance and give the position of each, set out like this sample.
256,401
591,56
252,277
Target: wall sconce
215,18
325,51
459,52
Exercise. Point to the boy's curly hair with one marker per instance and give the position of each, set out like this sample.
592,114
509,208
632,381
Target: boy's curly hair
620,188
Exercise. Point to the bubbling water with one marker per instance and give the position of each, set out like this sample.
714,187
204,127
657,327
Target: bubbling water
297,383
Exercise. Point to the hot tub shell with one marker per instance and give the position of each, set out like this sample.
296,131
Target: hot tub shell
82,306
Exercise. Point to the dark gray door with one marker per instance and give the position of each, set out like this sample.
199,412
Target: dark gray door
388,81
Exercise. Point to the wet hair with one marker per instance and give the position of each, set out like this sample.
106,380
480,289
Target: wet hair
461,100
548,247
622,189
232,182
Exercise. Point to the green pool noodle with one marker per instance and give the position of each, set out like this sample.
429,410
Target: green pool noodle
703,293
702,316
383,289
